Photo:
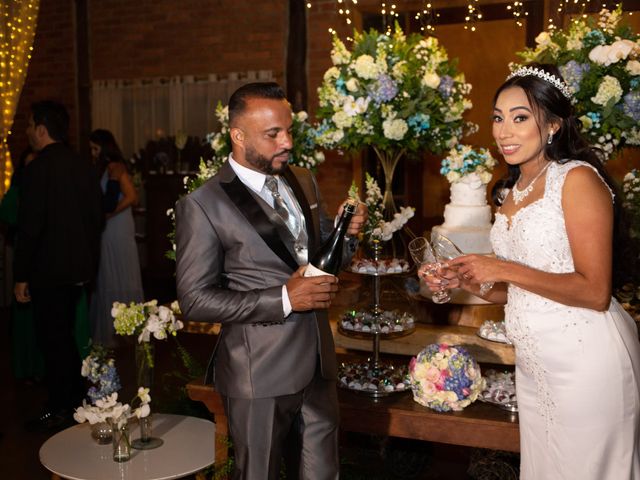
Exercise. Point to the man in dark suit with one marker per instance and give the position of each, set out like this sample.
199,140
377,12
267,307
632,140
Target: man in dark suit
58,234
238,263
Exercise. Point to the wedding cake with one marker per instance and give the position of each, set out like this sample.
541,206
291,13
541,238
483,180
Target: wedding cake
467,218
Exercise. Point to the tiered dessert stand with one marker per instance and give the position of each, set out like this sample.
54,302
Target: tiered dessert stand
376,378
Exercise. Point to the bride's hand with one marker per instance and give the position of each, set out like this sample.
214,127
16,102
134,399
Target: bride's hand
476,269
439,278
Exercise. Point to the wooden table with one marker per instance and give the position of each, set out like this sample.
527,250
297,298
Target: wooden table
479,425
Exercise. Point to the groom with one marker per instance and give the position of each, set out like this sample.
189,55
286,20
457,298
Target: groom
238,263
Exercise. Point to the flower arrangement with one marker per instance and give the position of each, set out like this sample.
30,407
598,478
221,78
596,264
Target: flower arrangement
100,369
445,378
463,161
599,59
145,319
631,200
394,92
376,228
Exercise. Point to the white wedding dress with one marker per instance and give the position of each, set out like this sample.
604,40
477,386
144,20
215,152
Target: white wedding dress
577,370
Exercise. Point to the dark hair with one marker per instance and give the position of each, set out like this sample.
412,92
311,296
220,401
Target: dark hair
109,149
54,117
238,100
550,105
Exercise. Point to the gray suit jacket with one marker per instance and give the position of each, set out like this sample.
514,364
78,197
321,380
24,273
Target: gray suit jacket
233,254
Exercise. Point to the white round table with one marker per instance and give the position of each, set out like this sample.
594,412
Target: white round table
188,447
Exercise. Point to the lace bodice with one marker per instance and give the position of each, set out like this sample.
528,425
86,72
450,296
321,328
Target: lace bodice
536,235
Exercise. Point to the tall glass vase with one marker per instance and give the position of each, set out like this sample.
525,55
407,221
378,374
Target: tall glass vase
389,161
145,363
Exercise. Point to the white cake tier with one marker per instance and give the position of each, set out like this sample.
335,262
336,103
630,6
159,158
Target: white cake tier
468,239
469,192
467,216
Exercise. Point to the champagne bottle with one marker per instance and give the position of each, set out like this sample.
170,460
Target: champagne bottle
328,258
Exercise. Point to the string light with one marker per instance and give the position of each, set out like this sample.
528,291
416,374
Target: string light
345,9
473,16
389,16
427,17
17,29
518,11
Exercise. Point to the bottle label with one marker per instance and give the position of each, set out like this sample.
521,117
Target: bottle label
312,271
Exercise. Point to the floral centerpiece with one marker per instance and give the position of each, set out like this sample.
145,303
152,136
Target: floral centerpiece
145,320
463,162
600,60
396,93
445,378
377,229
104,412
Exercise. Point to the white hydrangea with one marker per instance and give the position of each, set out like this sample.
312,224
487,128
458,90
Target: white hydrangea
366,67
633,67
609,89
342,119
431,79
352,84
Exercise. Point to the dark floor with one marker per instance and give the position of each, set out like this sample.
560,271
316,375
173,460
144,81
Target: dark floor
363,457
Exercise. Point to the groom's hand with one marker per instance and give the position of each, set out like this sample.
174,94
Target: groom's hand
308,293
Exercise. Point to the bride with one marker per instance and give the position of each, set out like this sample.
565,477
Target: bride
577,350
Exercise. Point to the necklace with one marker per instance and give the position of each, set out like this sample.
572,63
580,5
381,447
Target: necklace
520,195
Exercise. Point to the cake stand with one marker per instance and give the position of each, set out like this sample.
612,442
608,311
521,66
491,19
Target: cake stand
375,378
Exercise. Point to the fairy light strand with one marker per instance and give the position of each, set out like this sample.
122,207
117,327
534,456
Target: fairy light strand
17,29
473,16
427,18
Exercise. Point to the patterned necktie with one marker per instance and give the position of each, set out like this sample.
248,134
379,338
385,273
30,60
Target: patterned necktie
280,207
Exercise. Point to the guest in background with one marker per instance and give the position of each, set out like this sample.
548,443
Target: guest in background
26,358
557,243
119,276
59,224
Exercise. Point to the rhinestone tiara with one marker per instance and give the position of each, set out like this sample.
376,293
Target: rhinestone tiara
547,77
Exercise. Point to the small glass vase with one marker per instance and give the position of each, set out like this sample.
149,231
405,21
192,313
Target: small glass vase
101,432
146,441
121,441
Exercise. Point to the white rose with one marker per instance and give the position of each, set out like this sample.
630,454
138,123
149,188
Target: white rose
352,84
431,79
330,74
302,115
395,129
633,67
543,39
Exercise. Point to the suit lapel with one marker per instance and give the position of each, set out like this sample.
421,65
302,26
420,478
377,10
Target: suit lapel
304,204
253,212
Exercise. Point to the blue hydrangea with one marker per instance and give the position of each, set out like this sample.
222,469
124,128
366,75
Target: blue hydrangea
384,90
573,73
446,86
340,86
593,39
419,122
631,105
634,83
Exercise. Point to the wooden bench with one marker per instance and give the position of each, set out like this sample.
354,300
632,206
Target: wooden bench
479,425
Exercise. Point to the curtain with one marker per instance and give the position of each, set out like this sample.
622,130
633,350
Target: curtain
137,111
18,20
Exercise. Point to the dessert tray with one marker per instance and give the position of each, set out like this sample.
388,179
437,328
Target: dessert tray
377,381
363,323
367,266
500,390
494,332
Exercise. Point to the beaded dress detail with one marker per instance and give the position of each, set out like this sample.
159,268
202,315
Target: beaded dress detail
571,424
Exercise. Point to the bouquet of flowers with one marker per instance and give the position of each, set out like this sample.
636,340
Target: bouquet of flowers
100,369
465,162
145,319
445,377
394,92
376,228
600,60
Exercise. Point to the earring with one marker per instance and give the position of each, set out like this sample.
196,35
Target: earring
550,138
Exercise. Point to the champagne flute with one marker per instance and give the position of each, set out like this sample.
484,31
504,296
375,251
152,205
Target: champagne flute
423,255
445,249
